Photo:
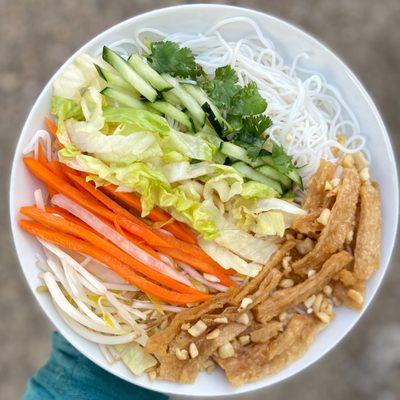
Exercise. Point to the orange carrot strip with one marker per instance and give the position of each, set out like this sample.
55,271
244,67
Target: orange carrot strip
41,156
65,214
200,265
52,126
70,228
62,186
138,227
176,228
192,250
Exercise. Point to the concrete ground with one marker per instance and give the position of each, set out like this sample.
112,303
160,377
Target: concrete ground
36,36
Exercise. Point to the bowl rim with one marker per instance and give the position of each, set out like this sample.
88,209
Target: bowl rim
355,81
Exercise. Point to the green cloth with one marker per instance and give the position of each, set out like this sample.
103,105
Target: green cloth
68,375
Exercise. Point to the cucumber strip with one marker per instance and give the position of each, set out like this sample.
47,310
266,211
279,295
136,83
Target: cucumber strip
127,72
148,73
113,79
254,175
201,97
273,173
235,152
124,98
172,98
173,112
187,100
268,160
295,177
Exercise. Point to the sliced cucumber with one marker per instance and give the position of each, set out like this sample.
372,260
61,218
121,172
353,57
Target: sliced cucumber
187,100
173,112
235,152
148,73
172,98
201,97
115,80
127,72
254,175
124,98
295,177
273,173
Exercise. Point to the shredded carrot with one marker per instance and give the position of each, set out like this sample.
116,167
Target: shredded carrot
67,227
62,186
196,263
192,250
176,228
52,126
41,156
127,220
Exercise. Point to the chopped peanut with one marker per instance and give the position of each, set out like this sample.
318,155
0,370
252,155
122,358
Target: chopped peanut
198,328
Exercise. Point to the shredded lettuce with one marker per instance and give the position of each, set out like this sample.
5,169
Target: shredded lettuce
252,189
229,260
76,78
66,108
137,120
135,357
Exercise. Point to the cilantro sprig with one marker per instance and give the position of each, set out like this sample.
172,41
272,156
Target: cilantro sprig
229,96
168,57
251,135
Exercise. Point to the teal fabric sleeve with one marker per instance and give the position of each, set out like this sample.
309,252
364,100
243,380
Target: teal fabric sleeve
68,375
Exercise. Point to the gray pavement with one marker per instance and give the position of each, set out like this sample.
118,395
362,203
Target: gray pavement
36,36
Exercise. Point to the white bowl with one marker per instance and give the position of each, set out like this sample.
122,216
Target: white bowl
290,41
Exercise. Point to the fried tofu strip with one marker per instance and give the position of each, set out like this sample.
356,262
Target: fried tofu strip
158,343
186,371
266,332
314,198
255,283
308,224
283,299
256,361
341,222
368,239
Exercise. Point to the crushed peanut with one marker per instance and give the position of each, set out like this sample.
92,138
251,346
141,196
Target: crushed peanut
324,216
226,350
213,334
311,273
181,354
317,302
283,316
324,317
286,283
243,319
356,296
245,303
305,246
193,350
286,262
198,328
327,290
185,326
221,320
245,339
310,301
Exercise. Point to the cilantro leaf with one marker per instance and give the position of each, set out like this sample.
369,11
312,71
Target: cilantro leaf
282,162
168,57
223,87
251,135
248,101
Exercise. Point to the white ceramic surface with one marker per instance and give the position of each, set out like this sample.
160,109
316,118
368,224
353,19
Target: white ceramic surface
290,41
